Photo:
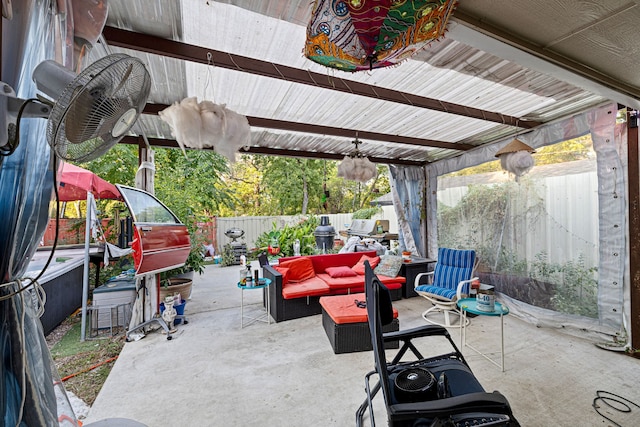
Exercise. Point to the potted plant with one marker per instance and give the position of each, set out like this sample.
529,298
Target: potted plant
274,242
180,280
193,264
175,285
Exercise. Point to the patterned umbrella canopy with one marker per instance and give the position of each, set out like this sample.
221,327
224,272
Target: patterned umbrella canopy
356,35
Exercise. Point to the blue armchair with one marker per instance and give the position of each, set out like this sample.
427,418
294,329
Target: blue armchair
450,281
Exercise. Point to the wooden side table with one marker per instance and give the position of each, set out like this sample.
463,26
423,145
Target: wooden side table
410,270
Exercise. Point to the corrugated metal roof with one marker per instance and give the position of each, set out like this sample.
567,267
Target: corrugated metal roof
274,32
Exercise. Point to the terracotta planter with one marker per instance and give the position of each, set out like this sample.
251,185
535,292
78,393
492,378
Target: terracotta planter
177,286
188,275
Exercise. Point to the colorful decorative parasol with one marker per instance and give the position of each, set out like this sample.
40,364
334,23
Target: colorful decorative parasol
356,35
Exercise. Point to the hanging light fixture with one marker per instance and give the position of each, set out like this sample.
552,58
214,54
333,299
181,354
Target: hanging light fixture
515,157
356,166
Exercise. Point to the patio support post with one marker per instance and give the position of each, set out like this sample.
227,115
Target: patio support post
634,227
424,223
85,272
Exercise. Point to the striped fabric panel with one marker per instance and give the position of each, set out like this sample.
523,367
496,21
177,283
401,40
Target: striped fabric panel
453,266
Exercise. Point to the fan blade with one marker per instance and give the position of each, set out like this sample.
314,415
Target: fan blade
124,79
82,120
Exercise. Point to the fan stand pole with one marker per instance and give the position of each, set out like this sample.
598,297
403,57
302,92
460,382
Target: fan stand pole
85,276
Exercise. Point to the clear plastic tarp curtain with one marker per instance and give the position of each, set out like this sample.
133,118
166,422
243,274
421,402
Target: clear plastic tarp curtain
407,191
32,394
553,243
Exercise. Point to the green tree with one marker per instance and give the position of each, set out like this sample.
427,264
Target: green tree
292,185
244,180
202,183
118,165
189,185
350,196
266,185
573,149
192,185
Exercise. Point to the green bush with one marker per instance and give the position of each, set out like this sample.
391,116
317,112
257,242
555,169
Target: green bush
228,256
287,235
366,213
478,221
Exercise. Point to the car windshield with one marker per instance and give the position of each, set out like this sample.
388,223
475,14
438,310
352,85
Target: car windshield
146,208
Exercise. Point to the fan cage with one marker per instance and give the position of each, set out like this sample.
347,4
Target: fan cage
415,384
91,105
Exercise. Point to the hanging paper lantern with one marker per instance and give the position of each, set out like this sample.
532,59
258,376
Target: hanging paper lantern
516,157
357,169
207,125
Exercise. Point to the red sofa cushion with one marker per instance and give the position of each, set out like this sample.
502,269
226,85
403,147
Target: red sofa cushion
322,284
321,262
300,269
336,283
392,282
343,308
309,288
342,271
284,272
359,267
356,283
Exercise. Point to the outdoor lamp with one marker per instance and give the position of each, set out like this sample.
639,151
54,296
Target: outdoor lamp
356,166
516,157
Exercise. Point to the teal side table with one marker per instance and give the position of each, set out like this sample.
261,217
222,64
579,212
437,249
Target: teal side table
263,317
470,305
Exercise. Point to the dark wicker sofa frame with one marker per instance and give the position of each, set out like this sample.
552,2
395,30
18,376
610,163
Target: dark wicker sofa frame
287,309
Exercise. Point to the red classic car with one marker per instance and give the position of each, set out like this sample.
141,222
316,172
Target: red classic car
160,241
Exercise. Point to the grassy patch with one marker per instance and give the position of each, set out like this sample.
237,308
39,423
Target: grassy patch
76,359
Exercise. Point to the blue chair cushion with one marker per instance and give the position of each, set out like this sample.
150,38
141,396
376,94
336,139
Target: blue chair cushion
453,266
436,290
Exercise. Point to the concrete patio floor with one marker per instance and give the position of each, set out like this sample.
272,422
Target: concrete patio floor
213,373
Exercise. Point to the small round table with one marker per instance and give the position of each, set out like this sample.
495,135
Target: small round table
263,317
470,305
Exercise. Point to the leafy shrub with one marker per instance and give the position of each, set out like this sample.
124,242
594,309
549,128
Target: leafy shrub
478,222
287,235
366,213
228,256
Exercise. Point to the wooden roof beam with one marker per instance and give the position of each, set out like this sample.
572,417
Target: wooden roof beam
171,143
187,52
334,131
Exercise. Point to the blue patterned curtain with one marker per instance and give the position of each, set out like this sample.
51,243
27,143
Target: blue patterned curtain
28,396
408,189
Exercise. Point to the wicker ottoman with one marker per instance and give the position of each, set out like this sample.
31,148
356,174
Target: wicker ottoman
346,324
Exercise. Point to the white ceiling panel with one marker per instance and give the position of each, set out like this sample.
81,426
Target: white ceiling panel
453,70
